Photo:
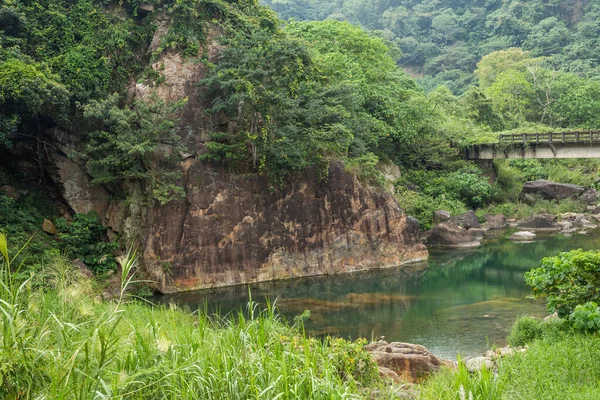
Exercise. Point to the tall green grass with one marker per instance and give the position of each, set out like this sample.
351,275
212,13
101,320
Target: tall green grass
556,366
66,343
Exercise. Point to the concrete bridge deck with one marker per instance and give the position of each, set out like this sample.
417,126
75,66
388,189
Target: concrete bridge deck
579,144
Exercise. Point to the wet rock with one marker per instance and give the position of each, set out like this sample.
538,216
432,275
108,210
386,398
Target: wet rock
523,236
540,222
467,220
512,222
440,216
478,363
409,361
552,190
450,235
48,227
495,221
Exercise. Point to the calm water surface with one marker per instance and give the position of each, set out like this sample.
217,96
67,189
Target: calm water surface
458,303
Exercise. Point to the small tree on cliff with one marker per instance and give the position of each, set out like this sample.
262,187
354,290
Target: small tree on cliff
138,143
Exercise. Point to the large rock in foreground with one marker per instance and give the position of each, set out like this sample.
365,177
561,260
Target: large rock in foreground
233,230
411,362
552,190
450,235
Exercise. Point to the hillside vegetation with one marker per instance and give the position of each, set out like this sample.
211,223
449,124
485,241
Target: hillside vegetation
441,41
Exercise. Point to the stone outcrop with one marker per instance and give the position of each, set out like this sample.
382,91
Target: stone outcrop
450,235
557,191
589,196
411,362
495,221
467,220
440,216
541,222
523,236
232,230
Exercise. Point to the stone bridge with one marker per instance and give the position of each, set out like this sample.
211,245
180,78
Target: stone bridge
580,144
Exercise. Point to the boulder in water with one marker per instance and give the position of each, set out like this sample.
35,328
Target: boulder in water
523,236
541,222
448,234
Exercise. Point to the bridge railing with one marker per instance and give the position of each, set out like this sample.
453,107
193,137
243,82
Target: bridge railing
560,137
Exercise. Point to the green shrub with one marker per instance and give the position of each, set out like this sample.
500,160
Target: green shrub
83,238
531,169
422,206
586,317
567,280
525,330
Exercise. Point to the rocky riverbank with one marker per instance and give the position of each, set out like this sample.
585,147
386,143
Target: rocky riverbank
467,230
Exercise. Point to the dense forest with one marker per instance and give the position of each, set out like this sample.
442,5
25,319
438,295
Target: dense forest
442,40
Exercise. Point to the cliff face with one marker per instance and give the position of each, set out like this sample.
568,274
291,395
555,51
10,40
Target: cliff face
232,230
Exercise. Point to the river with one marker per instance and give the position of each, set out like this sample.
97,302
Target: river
459,303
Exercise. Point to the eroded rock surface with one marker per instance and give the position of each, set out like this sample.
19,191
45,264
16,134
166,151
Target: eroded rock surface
233,229
409,361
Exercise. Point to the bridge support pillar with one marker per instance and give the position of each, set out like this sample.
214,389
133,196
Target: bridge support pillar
489,171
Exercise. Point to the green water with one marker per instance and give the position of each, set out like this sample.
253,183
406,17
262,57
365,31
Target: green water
458,303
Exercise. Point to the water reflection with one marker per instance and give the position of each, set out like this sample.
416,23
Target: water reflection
460,303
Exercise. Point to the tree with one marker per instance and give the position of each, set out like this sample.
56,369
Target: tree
511,95
138,144
493,64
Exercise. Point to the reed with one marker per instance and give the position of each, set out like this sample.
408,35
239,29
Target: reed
66,343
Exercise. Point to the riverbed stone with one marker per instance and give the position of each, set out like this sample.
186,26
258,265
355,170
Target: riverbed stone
478,363
467,220
540,222
593,209
497,221
589,196
440,216
523,236
412,362
552,190
450,235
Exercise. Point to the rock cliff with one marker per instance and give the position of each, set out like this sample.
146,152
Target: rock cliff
233,229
